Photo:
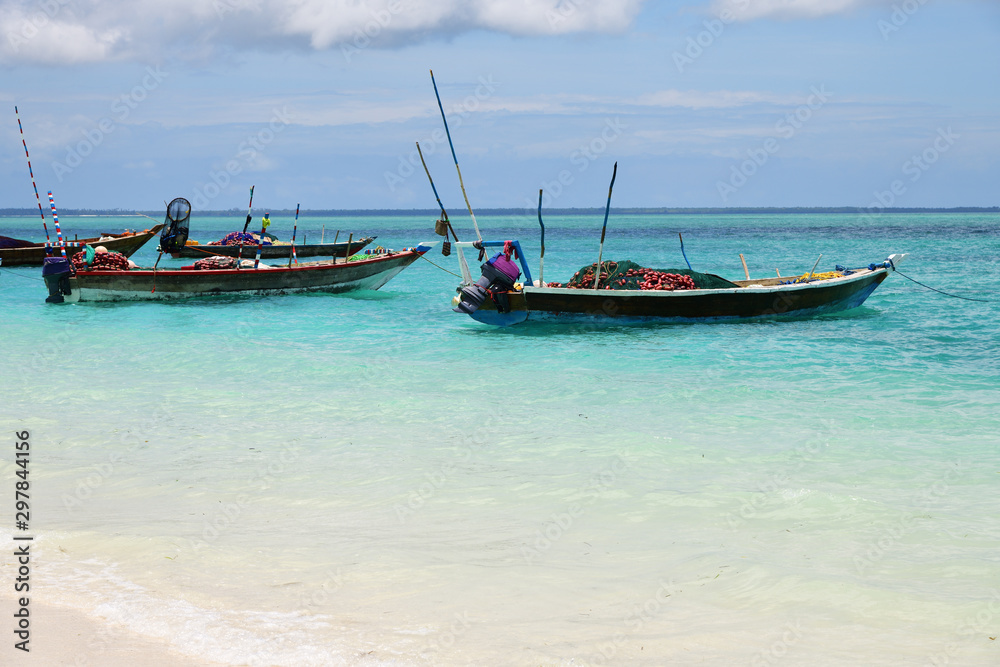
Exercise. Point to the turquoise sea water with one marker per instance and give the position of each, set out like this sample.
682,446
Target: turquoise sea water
373,479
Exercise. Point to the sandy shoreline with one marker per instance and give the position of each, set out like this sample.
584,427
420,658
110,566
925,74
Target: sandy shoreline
64,636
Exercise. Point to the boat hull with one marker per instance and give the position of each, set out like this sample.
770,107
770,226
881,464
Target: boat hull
797,300
34,255
323,276
276,251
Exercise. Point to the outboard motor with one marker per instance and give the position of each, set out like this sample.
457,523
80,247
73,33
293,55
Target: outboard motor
56,272
175,228
499,276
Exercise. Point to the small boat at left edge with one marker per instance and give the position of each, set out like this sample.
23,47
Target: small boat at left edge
16,252
67,284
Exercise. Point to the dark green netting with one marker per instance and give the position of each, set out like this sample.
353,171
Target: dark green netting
614,273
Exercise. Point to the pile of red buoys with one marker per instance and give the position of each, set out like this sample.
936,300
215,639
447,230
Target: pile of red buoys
627,275
103,261
652,279
216,262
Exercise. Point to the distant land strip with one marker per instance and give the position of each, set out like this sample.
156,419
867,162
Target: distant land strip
765,210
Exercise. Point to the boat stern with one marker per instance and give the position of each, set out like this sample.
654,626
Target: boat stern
56,272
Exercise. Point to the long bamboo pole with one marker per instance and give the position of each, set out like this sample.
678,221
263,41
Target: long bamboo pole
455,157
684,253
604,229
444,213
541,258
294,229
239,253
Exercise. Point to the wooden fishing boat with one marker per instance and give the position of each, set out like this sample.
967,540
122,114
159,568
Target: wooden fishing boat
150,284
15,252
496,299
342,249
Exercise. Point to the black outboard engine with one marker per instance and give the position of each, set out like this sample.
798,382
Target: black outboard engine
56,272
499,276
175,228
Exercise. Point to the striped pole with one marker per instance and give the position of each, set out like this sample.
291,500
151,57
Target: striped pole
260,243
37,198
295,228
55,221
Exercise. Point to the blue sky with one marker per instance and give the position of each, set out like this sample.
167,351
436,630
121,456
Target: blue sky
703,103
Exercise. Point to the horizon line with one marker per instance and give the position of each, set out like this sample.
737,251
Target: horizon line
625,210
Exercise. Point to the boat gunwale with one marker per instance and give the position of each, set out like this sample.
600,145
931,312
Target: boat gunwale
271,270
762,289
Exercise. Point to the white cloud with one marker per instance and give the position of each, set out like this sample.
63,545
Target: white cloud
50,37
748,10
712,99
75,31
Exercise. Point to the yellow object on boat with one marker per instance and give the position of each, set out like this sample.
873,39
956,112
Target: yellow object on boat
819,276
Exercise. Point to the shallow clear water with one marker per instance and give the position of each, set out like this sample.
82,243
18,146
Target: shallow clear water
374,479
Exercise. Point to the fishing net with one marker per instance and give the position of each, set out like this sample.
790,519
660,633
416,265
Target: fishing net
102,261
175,228
215,262
7,242
243,238
627,275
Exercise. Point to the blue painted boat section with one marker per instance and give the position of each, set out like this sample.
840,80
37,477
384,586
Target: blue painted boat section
500,319
520,257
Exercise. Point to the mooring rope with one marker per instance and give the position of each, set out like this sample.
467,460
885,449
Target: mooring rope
954,296
440,267
22,275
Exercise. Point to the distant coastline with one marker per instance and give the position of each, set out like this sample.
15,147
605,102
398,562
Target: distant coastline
764,210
